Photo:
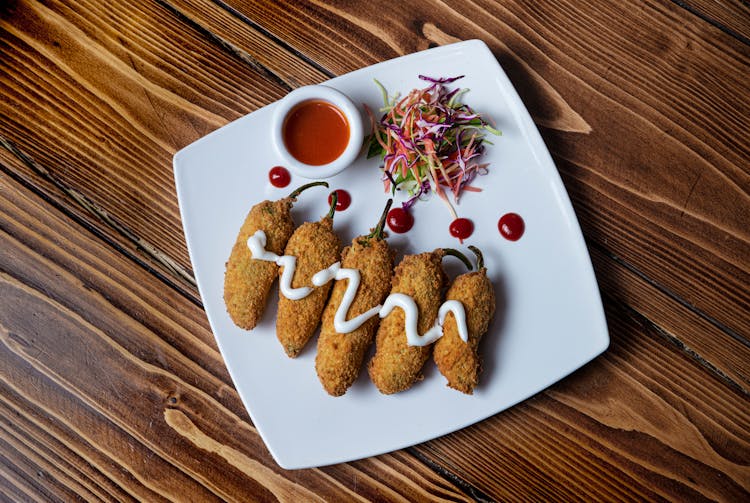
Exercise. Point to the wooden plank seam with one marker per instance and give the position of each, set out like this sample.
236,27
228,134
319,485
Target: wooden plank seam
227,46
101,214
242,17
713,22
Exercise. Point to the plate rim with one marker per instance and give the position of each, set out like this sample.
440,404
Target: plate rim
539,148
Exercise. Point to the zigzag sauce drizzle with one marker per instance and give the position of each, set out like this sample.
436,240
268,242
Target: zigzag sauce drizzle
340,322
257,243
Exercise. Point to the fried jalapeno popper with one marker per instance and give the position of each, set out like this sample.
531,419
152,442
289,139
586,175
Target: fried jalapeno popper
247,281
315,247
396,364
457,360
340,355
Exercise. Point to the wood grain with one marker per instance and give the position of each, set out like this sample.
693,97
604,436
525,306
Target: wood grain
642,414
127,338
46,458
684,206
247,42
693,334
122,101
17,164
124,377
111,387
733,16
675,85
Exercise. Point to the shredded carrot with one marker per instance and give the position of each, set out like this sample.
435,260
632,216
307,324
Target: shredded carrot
429,138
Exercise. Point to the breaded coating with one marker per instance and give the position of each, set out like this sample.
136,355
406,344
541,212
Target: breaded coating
316,247
396,365
457,360
340,356
247,281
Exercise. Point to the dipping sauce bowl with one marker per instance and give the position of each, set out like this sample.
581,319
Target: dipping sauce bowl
317,131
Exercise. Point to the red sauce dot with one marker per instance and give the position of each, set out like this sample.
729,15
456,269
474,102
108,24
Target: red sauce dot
343,199
399,220
511,226
279,177
461,228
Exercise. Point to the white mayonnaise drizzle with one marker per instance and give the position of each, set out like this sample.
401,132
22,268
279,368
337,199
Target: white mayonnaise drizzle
289,263
411,315
322,277
459,313
340,323
257,243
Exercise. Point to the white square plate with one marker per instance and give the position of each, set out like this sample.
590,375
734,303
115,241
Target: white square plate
549,320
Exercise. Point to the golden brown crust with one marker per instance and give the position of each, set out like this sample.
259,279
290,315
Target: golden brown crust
396,365
458,361
316,247
340,356
247,281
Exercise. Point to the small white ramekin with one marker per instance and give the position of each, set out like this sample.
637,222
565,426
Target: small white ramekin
340,101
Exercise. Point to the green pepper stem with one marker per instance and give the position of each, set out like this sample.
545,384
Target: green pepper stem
480,258
334,200
299,190
458,255
377,232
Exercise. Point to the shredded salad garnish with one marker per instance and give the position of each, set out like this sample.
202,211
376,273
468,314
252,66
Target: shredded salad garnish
429,140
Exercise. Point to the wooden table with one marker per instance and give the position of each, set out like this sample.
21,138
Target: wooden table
111,385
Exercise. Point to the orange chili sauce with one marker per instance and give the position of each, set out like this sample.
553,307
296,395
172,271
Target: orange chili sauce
316,132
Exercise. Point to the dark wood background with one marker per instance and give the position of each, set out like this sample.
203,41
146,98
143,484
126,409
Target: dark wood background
111,385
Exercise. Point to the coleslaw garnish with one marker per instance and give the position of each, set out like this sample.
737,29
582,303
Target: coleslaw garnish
429,142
